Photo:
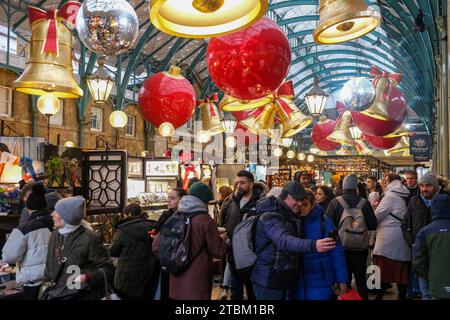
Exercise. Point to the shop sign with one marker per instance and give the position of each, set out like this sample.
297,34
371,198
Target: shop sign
161,168
420,147
135,168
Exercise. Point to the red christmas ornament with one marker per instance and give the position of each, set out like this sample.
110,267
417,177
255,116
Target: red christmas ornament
375,127
251,63
393,105
320,132
381,143
167,97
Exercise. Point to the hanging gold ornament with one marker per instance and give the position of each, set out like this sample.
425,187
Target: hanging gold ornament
205,18
400,147
400,132
261,120
383,82
341,133
49,67
210,115
344,20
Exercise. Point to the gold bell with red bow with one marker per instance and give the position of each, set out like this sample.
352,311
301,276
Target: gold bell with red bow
210,116
49,67
383,82
341,133
291,118
400,147
261,120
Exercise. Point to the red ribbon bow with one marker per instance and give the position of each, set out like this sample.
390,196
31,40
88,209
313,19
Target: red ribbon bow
397,77
212,99
283,95
67,12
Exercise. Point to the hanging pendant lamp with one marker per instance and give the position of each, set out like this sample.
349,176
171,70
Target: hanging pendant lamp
205,18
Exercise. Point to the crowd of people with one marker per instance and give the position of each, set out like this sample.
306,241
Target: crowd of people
309,242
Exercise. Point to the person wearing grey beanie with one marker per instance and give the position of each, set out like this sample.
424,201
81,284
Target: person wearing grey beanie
72,244
69,213
350,182
418,215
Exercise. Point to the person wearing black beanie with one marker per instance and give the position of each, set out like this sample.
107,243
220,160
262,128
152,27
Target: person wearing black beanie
36,200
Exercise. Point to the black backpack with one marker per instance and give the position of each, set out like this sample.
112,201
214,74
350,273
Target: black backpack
174,243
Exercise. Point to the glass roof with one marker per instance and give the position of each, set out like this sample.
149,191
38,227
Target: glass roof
394,47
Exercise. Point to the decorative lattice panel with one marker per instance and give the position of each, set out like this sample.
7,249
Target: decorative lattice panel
106,181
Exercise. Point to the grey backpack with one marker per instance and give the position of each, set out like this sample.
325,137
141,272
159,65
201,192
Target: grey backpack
352,227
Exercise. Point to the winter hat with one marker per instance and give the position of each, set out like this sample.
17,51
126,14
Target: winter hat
350,182
429,178
440,205
201,191
36,199
52,198
72,210
294,189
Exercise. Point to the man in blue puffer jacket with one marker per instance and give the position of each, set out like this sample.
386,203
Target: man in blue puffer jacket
320,271
278,243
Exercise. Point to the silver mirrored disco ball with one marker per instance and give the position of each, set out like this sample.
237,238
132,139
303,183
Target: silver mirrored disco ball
358,94
107,27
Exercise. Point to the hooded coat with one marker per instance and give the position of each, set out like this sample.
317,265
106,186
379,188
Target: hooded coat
131,244
27,247
196,282
390,212
431,250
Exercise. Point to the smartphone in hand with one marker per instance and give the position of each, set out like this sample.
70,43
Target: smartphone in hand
333,234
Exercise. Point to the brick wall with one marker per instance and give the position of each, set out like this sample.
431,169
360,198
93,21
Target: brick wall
21,120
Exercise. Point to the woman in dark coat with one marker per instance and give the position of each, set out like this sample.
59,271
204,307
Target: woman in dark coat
74,249
172,204
136,265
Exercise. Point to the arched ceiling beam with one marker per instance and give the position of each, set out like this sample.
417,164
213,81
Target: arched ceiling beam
406,72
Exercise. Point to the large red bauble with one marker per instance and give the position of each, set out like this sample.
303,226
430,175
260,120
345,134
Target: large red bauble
251,63
167,98
396,110
320,132
381,143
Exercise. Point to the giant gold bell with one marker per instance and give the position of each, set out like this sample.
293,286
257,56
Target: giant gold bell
379,107
205,18
402,131
344,20
210,119
47,72
400,147
293,121
260,121
341,133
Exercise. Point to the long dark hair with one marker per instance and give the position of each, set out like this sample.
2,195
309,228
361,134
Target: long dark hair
181,192
329,195
4,148
362,190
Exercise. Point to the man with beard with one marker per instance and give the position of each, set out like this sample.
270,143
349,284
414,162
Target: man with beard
411,184
418,215
239,204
